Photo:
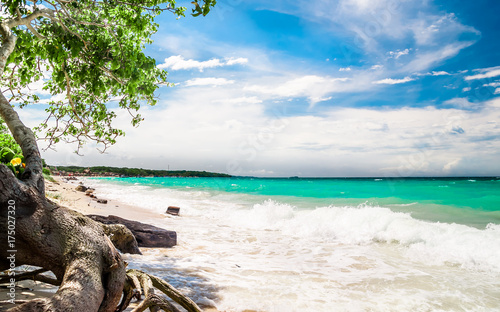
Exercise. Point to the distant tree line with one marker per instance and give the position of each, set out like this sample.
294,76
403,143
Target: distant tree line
139,172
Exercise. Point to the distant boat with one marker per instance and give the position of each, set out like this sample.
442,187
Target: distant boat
294,177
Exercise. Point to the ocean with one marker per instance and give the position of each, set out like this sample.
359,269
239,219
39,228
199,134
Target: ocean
300,244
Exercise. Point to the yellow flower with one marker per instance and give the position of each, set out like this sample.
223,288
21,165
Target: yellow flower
16,161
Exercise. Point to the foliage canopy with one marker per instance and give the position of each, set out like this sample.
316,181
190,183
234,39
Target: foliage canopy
87,53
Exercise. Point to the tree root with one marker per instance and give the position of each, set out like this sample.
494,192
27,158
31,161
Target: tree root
123,239
35,275
138,280
136,284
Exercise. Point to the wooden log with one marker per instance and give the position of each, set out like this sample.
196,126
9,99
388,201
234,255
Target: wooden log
173,210
145,234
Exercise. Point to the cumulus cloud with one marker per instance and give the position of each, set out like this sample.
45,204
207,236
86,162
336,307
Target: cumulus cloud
391,81
440,73
452,164
461,103
397,54
495,84
240,100
234,61
211,81
434,73
344,69
315,88
178,62
492,84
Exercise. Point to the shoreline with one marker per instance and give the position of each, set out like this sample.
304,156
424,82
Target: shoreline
63,192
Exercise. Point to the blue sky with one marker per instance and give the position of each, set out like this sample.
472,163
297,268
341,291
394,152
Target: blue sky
322,88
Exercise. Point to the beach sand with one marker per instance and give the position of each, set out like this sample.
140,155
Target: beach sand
64,192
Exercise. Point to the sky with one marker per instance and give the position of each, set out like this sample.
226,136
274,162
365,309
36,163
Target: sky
317,88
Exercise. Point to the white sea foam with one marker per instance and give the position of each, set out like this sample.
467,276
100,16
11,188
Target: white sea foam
243,252
402,205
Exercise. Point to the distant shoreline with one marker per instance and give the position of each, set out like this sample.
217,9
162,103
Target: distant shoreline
104,171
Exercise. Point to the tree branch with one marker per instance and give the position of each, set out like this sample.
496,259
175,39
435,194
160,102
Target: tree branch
26,139
8,45
36,33
25,21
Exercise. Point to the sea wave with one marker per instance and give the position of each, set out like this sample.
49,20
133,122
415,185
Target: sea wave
431,243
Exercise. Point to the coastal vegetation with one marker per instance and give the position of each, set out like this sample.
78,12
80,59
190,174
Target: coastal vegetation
136,172
85,54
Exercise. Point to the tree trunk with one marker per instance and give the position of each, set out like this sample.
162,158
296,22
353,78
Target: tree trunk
71,245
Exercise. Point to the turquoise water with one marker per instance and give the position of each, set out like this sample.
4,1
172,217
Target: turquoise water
309,245
471,201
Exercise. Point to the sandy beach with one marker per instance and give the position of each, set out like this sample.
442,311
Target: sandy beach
292,245
64,192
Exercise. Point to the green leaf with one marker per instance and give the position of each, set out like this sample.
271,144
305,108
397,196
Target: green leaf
6,155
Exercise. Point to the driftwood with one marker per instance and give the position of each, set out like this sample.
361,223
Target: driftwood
173,210
145,234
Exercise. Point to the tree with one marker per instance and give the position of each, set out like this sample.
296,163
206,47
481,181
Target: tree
88,52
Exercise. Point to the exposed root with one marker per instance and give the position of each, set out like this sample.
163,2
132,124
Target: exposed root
136,284
138,280
154,303
35,275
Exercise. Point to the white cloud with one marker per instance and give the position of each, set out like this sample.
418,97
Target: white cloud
55,98
440,73
315,88
452,164
364,5
211,81
434,73
497,91
240,100
344,69
461,103
432,30
178,62
435,35
375,67
485,73
227,125
234,61
429,58
492,84
393,81
397,54
466,89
